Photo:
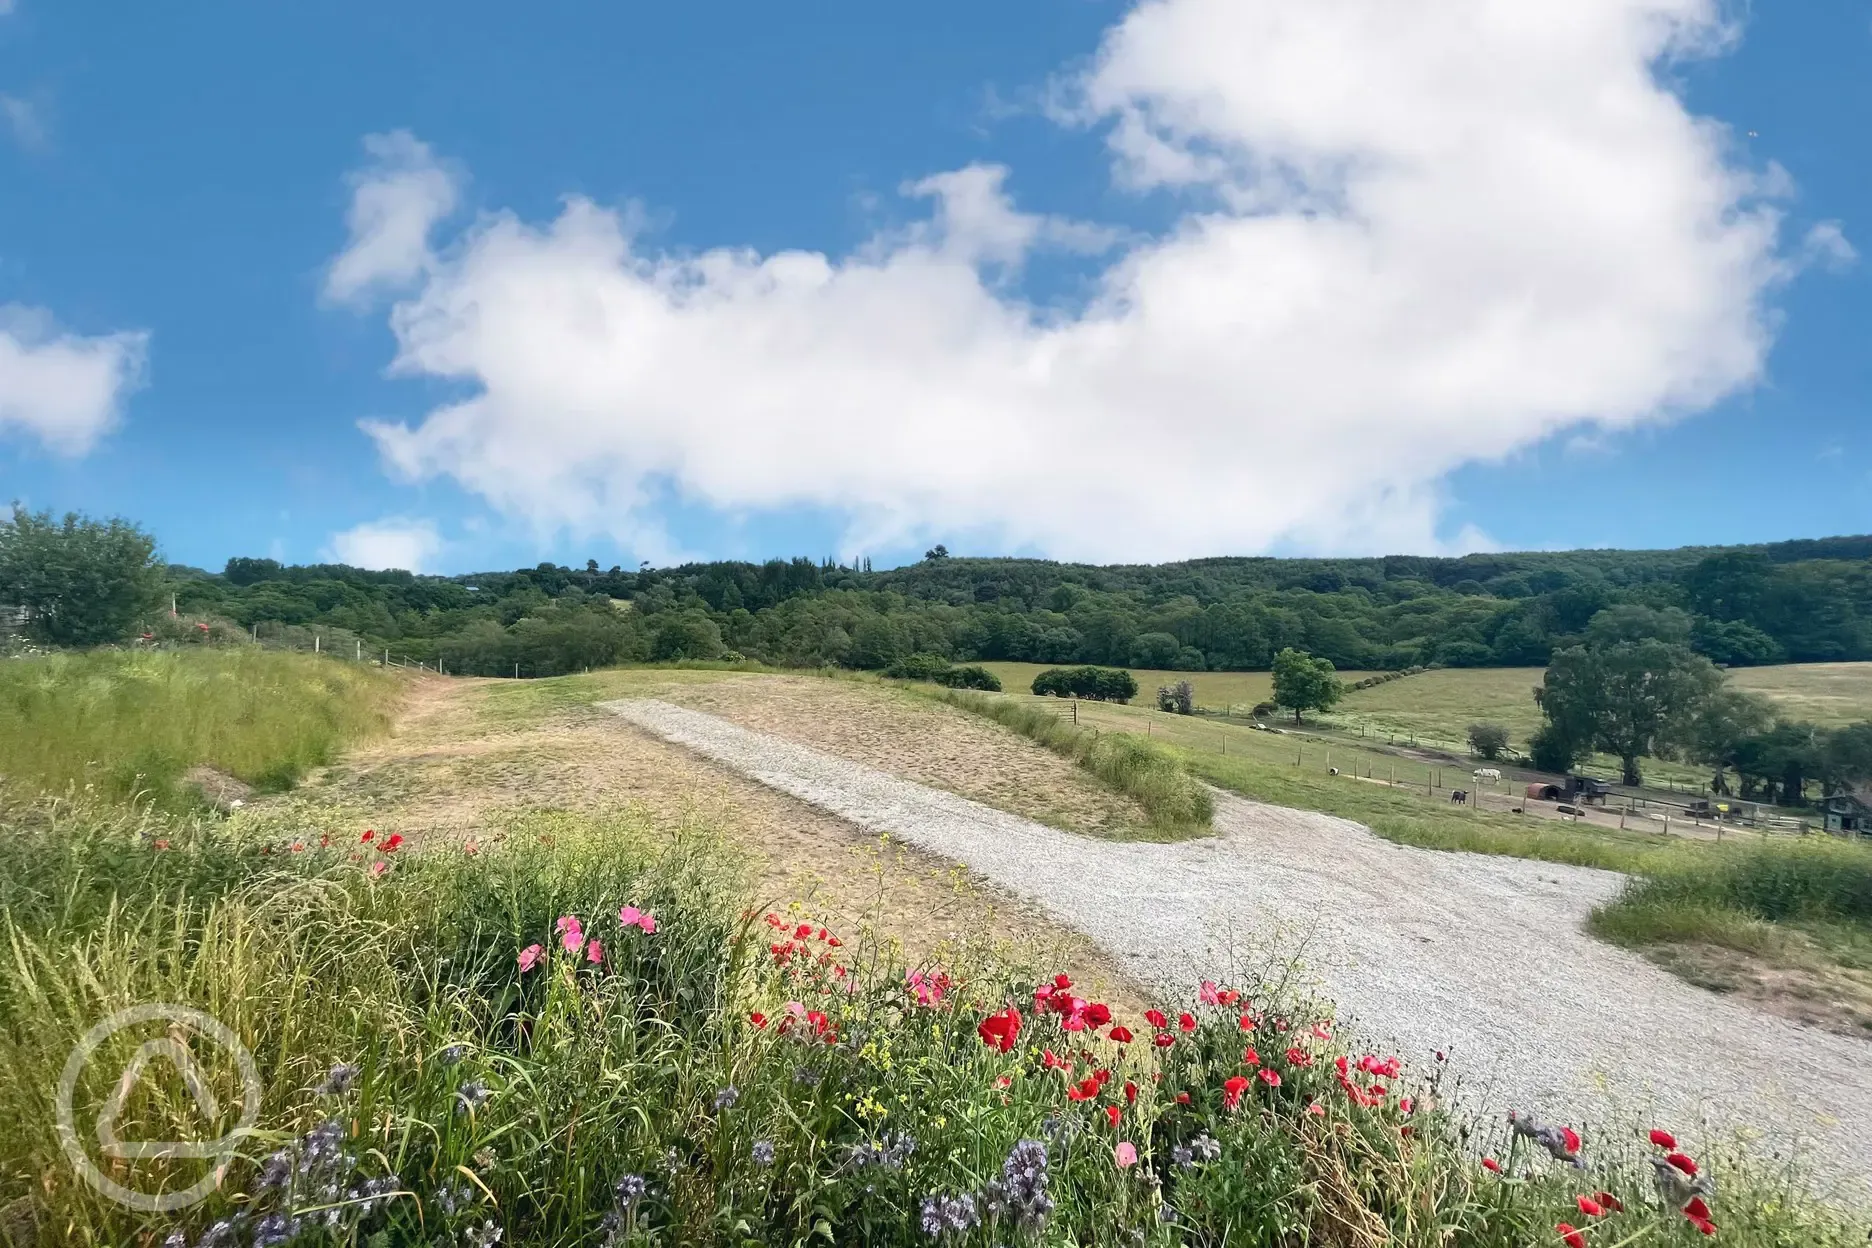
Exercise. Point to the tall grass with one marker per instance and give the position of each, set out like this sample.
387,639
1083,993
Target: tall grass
1739,896
654,1097
1176,803
130,724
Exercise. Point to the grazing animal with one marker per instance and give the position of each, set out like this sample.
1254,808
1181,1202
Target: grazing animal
1459,795
1332,771
1488,773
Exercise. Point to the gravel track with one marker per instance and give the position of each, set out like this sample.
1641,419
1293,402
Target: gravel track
1484,957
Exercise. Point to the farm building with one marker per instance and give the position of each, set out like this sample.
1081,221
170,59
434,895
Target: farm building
1847,813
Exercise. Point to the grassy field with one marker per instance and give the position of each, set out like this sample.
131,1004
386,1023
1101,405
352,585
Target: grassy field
1177,804
1240,690
1440,705
1825,693
131,724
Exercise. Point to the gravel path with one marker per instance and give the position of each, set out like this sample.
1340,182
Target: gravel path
1482,956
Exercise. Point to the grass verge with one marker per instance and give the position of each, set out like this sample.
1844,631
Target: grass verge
1177,804
469,1048
130,724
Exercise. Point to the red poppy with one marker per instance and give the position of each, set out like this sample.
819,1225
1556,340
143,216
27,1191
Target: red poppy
1491,1165
390,845
802,931
1113,1114
1156,1019
1187,1022
1247,1022
1061,982
1590,1207
1696,1210
1097,1015
1572,1237
1269,1076
1250,1057
1121,1034
1130,1090
1609,1201
1000,1030
1053,1062
1297,1056
1004,1081
368,835
1228,996
1663,1139
1572,1139
1182,1098
1084,1090
757,1018
1164,1039
1101,1077
1232,1089
1704,1225
1682,1162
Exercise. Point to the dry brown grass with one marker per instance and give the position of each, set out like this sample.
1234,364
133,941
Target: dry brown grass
922,740
466,752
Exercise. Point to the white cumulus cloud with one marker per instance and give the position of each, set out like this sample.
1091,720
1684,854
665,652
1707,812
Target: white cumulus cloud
62,388
395,202
1413,234
392,543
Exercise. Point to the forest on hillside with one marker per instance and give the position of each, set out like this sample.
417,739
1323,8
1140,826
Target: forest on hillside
1805,601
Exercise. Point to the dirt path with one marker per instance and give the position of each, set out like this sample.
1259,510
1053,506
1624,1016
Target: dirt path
1482,957
467,752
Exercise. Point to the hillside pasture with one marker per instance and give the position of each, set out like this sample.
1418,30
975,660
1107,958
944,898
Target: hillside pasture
1828,694
1214,690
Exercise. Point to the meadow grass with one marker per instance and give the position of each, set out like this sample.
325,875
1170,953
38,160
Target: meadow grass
1177,805
1439,705
442,1058
130,724
1216,690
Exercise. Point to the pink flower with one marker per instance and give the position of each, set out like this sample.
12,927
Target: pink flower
571,933
379,867
1269,1076
631,916
529,957
1125,1154
1208,994
594,952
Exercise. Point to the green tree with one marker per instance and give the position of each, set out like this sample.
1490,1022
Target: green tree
81,582
1846,757
1488,741
686,635
1551,749
1304,683
1725,722
1631,698
1155,650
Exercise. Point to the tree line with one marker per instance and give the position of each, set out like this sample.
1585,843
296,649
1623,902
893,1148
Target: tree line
81,581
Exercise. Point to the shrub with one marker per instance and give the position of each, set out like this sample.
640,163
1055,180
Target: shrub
1550,749
81,582
970,677
1488,741
1178,699
1097,684
918,667
1265,710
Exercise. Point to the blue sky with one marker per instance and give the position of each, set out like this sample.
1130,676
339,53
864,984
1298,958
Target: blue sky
184,179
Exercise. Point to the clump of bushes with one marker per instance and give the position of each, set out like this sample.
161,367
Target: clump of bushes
938,670
1488,741
1095,684
1178,699
1383,678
